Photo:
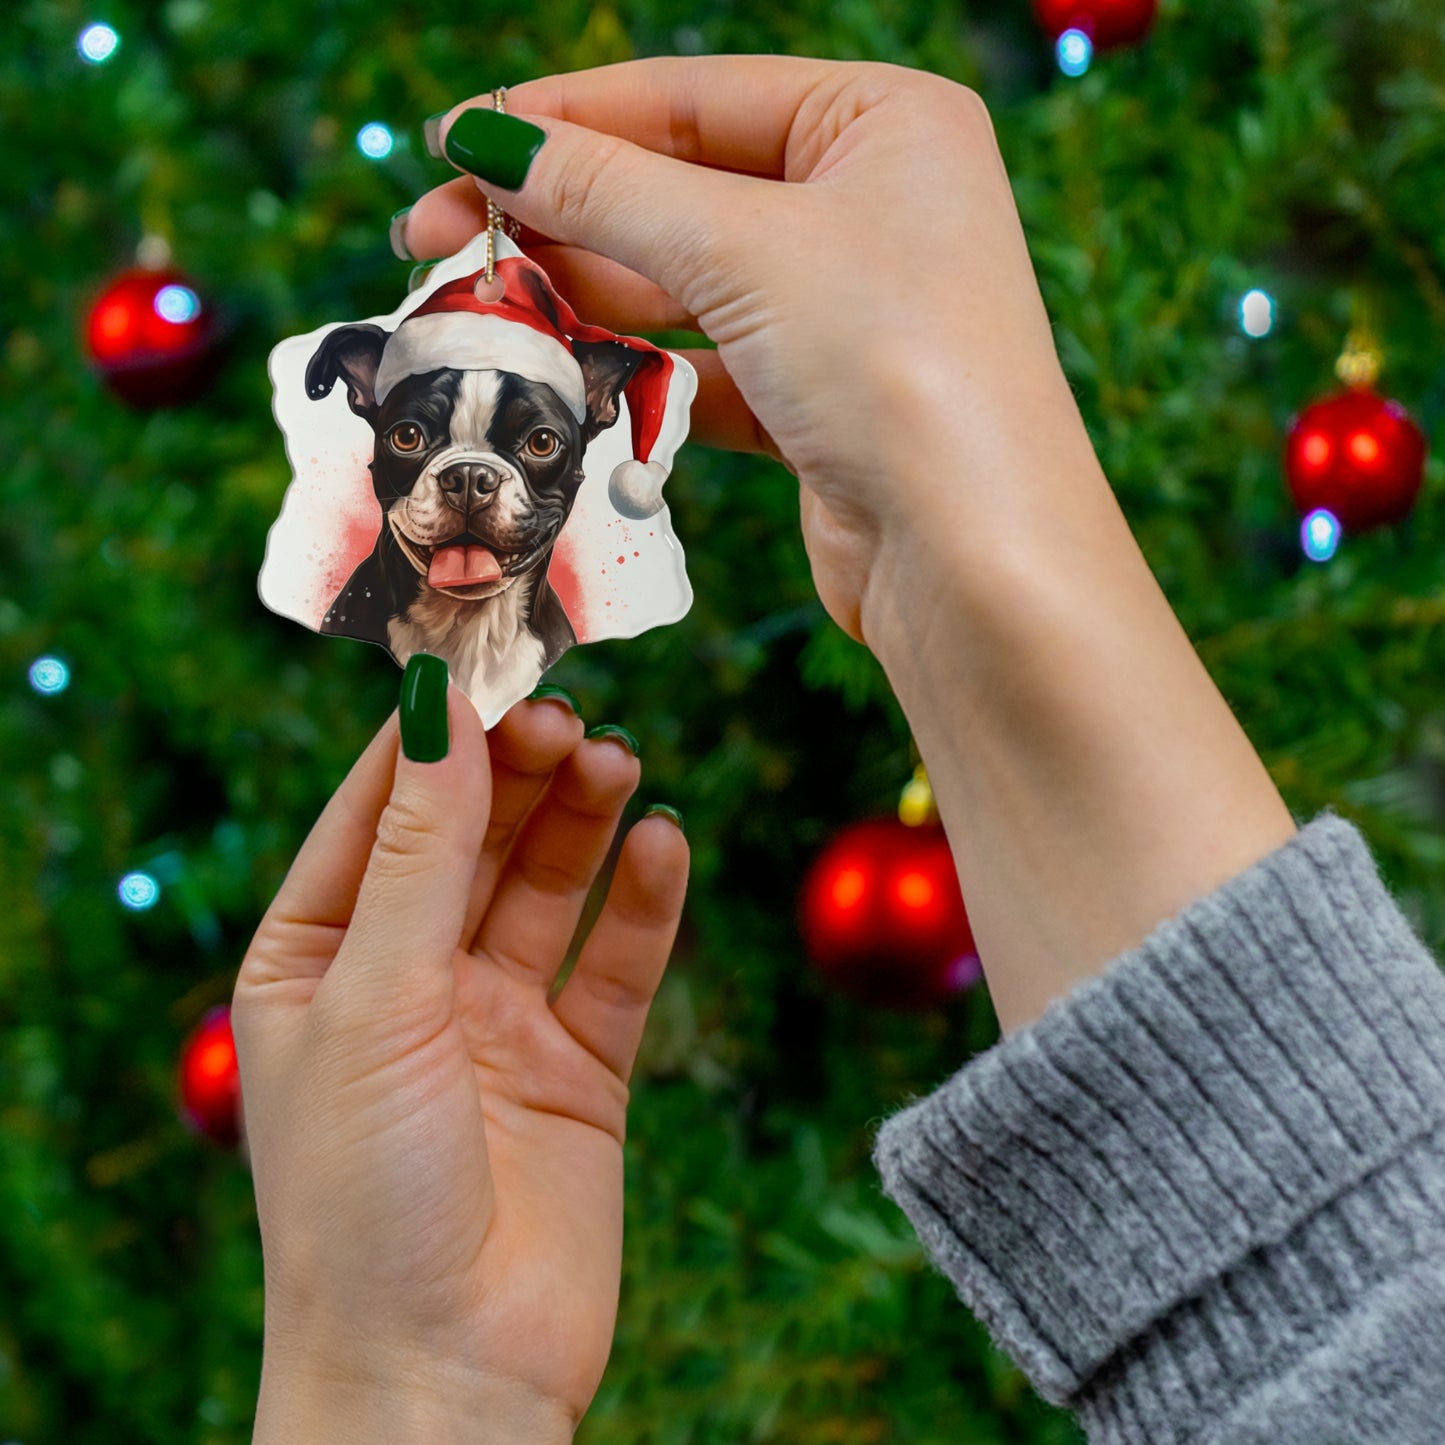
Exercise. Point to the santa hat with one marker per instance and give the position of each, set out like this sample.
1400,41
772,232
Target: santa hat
529,330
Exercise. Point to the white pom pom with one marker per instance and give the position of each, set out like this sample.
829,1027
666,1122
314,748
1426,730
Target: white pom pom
635,489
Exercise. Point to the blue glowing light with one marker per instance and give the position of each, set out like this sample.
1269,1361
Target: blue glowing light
49,675
177,304
138,891
1256,313
375,140
1320,535
97,44
1075,52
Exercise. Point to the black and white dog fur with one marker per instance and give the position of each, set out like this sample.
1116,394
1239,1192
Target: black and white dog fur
486,461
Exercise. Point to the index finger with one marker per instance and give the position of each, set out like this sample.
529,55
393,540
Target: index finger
734,112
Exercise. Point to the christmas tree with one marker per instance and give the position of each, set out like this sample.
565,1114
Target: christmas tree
1212,210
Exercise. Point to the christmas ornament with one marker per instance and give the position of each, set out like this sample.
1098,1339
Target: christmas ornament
478,475
1106,23
152,338
210,1081
882,915
1355,454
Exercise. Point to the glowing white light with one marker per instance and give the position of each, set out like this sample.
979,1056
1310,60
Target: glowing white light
49,675
375,140
1075,51
97,43
177,304
1256,313
1320,535
138,891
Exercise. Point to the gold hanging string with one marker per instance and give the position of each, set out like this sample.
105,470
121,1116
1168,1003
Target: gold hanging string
497,218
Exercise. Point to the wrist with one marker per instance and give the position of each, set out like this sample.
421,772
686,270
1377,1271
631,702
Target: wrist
321,1401
1092,779
986,474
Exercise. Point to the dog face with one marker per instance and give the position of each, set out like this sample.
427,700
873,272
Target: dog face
476,471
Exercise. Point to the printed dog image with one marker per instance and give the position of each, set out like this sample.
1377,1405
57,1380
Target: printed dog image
482,411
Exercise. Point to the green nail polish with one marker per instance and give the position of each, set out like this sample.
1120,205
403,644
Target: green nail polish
397,235
424,734
421,271
612,730
498,148
431,133
663,810
550,689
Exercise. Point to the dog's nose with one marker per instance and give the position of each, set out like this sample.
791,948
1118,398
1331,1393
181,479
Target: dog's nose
469,485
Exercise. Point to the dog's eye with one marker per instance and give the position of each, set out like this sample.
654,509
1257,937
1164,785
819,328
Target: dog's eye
406,437
543,443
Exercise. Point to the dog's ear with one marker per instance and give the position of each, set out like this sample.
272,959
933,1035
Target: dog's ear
607,367
353,352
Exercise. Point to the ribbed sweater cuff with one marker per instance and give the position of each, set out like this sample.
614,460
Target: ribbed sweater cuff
1192,1137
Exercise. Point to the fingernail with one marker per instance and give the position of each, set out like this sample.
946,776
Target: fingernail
424,736
664,811
420,272
498,148
397,234
611,730
431,133
550,689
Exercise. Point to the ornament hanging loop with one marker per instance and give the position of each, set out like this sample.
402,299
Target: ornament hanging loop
1360,362
497,218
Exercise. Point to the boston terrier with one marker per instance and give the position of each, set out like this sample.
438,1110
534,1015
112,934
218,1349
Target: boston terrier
476,467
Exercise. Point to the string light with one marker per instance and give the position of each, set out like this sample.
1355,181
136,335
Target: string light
97,44
49,675
375,141
1320,535
1256,313
138,891
1075,52
177,304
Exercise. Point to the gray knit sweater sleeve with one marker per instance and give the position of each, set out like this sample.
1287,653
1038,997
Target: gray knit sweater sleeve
1202,1199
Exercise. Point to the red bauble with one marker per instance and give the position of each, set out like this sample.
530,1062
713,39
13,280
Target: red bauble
1359,456
152,338
883,917
210,1081
1107,23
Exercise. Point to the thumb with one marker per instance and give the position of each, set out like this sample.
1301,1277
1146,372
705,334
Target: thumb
661,217
396,960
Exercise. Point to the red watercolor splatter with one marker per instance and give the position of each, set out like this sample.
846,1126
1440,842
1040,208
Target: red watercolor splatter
562,574
622,560
353,540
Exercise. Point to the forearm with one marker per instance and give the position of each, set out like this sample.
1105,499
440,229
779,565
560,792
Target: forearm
1092,779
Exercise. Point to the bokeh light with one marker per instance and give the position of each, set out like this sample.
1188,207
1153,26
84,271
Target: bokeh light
1320,535
1256,313
97,44
1075,52
49,675
177,304
138,891
375,140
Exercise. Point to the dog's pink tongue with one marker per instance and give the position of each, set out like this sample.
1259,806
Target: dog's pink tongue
462,566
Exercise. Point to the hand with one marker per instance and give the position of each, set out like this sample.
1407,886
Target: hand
878,324
437,1150
847,236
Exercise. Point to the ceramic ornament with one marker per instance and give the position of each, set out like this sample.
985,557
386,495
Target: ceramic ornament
478,475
